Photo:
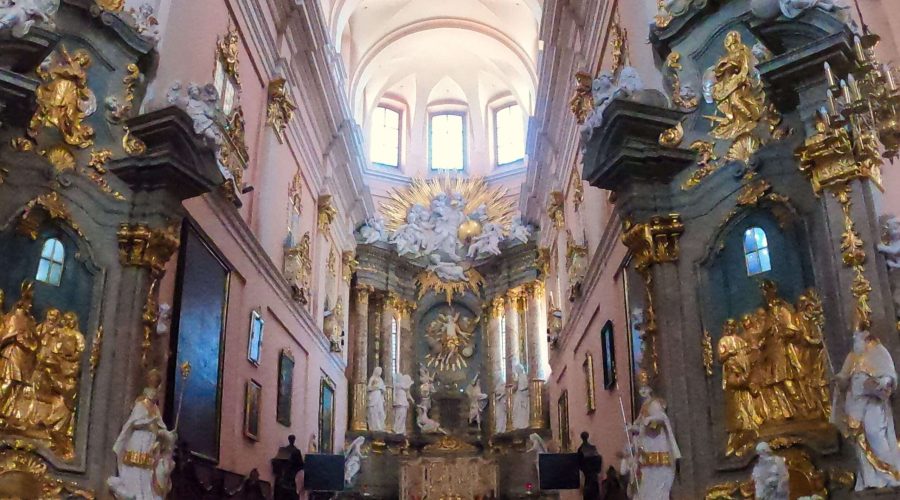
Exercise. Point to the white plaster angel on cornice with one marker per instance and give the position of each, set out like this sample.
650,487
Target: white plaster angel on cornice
20,15
606,88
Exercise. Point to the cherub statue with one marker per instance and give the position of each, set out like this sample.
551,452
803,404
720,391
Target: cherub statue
144,21
20,15
201,104
372,230
409,238
447,271
770,475
518,231
793,8
353,460
163,319
488,242
891,249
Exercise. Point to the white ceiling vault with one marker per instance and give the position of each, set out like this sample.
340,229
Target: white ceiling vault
422,53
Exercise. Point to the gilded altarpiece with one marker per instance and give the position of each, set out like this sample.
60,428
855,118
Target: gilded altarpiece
740,321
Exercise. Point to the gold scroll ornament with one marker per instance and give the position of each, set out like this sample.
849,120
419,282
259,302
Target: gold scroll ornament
774,371
40,364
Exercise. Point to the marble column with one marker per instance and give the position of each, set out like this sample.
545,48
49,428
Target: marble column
388,315
496,356
407,351
535,328
511,313
360,324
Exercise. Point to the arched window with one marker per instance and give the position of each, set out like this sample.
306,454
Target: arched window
447,141
53,257
509,134
385,140
756,251
395,346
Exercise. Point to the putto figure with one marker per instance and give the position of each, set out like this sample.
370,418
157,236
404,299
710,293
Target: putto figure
770,475
20,15
862,411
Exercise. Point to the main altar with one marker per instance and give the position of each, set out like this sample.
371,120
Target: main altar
449,345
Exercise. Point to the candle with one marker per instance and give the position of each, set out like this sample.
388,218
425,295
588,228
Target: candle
857,44
890,77
832,107
854,87
829,75
847,97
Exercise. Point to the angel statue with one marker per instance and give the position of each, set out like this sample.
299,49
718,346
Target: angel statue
426,387
450,341
409,238
200,103
20,15
477,402
372,231
488,242
519,231
353,460
891,249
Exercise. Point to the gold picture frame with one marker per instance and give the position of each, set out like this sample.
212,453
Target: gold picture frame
252,399
590,389
562,414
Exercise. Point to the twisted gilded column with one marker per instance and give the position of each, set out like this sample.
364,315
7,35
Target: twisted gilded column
360,361
513,355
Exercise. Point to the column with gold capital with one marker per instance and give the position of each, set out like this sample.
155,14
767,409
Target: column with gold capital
360,362
389,323
535,331
514,307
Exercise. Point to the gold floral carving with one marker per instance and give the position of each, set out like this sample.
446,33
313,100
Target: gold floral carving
234,153
591,392
706,163
227,52
119,112
280,109
429,281
449,444
111,5
24,474
544,261
672,137
298,269
96,347
618,42
732,490
853,254
61,99
577,189
295,192
706,344
775,371
326,212
331,264
132,145
348,265
650,243
536,419
151,249
752,192
576,265
39,209
96,170
40,364
556,209
674,67
743,148
663,17
582,102
21,144
60,157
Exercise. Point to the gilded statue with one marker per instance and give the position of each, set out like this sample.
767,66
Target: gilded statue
582,102
64,99
450,341
774,369
737,91
40,364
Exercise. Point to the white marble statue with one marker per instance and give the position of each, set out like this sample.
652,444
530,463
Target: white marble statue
537,443
426,387
655,438
477,402
20,15
501,411
793,8
446,216
862,410
353,460
163,319
201,104
488,242
447,271
144,21
375,403
409,238
891,250
144,449
629,82
479,214
521,403
426,424
604,89
372,231
402,400
770,475
519,231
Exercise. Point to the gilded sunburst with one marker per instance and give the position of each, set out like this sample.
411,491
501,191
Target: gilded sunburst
476,192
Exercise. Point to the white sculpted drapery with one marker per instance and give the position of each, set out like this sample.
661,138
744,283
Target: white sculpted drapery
770,475
353,460
402,399
862,409
477,402
521,401
500,410
658,450
376,412
144,450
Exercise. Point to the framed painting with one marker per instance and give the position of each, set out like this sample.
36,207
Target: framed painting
285,387
252,397
589,387
254,347
326,415
609,356
562,414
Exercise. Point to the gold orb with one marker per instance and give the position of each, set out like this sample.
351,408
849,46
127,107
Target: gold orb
468,230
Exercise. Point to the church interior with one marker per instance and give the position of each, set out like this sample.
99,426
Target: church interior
449,250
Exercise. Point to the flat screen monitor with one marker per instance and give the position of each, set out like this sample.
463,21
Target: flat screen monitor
323,472
559,471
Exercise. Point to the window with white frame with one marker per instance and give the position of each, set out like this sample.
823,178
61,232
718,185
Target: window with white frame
756,251
385,140
447,141
395,346
509,134
53,257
